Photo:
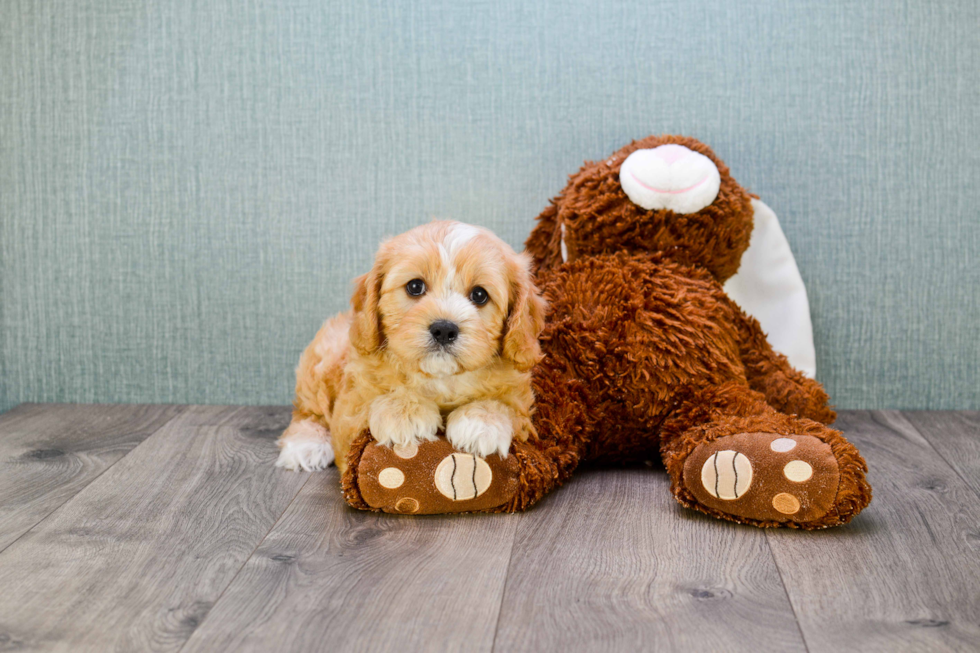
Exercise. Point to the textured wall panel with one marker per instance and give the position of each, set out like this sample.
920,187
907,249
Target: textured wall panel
187,187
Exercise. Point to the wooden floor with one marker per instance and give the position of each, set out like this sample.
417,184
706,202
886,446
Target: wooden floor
166,528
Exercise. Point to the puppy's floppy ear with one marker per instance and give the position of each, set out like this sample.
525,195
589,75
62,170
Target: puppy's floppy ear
366,333
525,319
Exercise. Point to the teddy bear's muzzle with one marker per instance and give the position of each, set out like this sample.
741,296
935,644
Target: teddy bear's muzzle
670,177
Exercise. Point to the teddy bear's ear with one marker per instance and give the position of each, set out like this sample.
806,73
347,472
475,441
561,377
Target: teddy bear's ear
525,318
768,286
671,177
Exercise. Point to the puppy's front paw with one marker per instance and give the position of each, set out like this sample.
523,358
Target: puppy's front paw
305,446
400,419
481,428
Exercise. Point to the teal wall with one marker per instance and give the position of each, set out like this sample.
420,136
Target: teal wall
187,187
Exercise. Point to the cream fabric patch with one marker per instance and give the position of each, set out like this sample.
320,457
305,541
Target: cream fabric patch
782,445
406,451
726,475
391,477
462,476
798,471
768,286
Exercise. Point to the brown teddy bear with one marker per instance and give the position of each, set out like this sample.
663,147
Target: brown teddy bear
645,353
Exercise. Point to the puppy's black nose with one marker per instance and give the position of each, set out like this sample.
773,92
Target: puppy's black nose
444,332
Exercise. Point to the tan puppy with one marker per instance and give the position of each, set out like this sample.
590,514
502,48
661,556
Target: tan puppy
444,332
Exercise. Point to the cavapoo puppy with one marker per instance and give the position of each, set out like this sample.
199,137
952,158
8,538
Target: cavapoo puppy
443,332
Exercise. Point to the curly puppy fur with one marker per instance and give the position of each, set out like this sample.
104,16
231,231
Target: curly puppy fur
383,366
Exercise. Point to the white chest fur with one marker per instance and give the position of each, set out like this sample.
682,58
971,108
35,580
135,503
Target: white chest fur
451,391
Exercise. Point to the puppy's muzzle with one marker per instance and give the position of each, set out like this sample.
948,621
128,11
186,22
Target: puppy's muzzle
444,332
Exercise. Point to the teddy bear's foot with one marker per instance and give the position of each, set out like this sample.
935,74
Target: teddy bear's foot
765,477
433,477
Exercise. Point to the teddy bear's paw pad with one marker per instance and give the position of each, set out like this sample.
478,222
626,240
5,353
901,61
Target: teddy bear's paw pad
764,476
433,477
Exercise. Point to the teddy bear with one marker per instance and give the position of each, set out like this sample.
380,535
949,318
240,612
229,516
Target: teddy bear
646,356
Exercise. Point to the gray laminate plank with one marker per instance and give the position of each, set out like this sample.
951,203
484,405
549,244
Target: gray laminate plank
49,452
955,434
329,578
136,559
611,562
903,576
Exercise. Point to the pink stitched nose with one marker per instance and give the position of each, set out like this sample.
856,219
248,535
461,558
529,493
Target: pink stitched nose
670,177
671,153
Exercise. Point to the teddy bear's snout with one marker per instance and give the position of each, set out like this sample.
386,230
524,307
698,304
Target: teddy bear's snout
670,177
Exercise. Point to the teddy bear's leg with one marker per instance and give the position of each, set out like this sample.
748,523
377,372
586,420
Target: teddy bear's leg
427,478
433,477
564,420
731,455
786,389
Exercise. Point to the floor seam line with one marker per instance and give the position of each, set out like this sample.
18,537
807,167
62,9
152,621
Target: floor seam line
93,480
939,453
245,562
789,599
503,592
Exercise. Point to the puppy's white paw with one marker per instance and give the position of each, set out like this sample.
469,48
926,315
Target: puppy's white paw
305,456
305,446
400,419
481,428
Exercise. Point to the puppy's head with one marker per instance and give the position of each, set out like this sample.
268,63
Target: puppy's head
446,298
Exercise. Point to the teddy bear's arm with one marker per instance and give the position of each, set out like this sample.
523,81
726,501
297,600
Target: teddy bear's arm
786,389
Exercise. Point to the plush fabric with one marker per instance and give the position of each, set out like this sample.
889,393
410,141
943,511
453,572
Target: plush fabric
645,354
669,177
432,478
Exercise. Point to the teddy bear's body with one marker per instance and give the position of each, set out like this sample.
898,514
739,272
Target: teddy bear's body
638,332
645,354
646,357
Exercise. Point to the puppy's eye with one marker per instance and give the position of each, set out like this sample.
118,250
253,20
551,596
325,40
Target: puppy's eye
479,296
415,287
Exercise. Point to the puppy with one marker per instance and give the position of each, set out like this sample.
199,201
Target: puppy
443,332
